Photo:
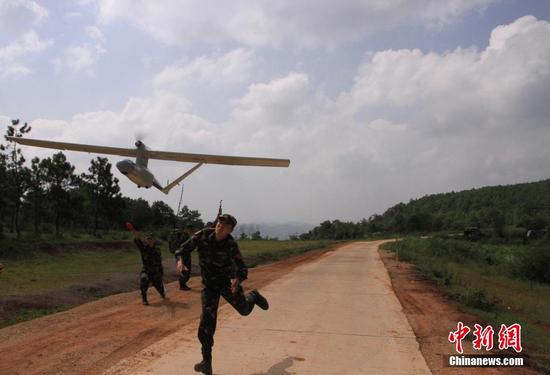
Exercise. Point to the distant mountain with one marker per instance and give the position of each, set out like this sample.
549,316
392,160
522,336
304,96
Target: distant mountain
280,230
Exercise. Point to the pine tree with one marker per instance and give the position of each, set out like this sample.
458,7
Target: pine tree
17,175
36,193
60,178
103,189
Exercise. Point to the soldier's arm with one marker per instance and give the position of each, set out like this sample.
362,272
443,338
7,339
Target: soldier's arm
139,243
188,246
172,242
241,271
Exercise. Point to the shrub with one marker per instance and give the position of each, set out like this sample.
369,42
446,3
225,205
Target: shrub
477,298
534,263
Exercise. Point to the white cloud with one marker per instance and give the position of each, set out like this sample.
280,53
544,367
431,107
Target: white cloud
79,58
412,123
443,92
72,14
304,23
83,3
233,67
19,16
11,54
95,33
275,104
473,117
82,57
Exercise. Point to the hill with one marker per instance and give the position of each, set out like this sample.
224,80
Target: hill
525,205
514,208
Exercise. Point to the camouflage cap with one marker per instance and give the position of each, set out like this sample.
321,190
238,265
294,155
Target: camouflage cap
230,219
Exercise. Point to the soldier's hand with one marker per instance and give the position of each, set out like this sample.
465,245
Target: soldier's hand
180,266
235,285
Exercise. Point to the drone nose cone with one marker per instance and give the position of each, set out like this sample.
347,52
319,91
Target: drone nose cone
124,166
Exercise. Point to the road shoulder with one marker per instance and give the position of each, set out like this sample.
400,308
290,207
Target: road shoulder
432,315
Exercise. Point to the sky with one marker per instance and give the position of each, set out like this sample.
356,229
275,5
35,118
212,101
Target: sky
375,102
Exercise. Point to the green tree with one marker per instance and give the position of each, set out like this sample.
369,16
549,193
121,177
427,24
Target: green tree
3,188
498,221
60,178
256,236
103,189
190,217
138,212
36,193
162,214
17,175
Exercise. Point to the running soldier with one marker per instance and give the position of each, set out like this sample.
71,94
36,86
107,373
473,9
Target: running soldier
222,271
151,271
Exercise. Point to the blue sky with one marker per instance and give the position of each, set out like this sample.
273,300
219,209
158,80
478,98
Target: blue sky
374,102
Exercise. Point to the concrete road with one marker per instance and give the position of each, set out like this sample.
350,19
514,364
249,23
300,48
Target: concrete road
336,315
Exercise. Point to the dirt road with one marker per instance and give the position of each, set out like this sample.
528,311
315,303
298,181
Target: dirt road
336,315
93,337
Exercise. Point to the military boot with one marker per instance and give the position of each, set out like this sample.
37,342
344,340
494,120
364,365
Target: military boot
144,298
260,300
205,366
162,291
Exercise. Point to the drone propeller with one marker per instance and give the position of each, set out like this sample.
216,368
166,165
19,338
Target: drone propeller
139,136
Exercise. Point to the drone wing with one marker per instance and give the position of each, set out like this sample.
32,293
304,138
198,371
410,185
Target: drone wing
217,159
160,155
75,147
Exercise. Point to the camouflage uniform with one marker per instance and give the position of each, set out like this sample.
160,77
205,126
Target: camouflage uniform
220,261
177,238
151,271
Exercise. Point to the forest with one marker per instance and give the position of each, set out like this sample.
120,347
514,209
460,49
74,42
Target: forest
46,196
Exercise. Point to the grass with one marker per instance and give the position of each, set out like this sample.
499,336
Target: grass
41,270
490,280
70,262
258,252
31,313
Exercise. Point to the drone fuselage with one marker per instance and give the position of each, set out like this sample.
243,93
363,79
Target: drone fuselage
136,173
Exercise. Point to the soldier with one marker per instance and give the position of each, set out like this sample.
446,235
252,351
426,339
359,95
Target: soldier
177,238
151,271
222,271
